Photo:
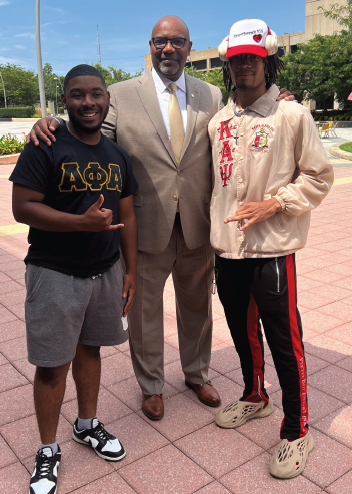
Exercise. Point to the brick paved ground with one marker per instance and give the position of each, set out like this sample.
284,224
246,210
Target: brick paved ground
185,452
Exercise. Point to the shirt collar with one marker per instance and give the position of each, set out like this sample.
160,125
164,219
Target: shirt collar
161,83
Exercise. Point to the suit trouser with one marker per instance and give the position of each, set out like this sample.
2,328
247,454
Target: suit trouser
192,277
250,289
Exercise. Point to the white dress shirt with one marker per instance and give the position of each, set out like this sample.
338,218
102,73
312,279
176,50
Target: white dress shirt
161,83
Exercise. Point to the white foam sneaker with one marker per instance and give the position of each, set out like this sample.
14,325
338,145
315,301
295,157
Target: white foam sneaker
289,458
238,412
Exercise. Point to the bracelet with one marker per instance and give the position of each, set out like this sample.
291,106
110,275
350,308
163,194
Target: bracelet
58,121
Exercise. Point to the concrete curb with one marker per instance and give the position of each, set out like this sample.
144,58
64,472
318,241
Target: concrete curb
9,159
14,119
336,151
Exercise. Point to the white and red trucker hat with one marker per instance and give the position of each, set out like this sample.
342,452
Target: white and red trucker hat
248,36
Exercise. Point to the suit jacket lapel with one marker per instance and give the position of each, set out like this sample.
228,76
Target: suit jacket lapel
192,96
149,99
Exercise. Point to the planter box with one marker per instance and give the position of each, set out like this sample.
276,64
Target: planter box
9,159
339,153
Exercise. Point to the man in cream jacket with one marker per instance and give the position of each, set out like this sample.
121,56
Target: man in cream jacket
270,170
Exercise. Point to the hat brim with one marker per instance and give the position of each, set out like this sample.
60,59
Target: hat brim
239,50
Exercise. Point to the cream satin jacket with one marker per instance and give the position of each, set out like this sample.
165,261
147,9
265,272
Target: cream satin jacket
273,150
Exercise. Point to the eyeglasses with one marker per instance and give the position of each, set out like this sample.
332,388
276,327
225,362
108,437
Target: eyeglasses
160,43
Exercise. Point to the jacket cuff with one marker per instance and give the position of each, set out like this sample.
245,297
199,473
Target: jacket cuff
281,202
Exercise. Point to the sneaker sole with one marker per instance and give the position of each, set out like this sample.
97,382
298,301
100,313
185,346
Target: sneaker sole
213,405
264,412
107,458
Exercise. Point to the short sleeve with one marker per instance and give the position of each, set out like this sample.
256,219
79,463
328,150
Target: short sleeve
130,185
33,167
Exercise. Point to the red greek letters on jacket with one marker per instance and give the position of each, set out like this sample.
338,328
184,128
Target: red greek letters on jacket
226,152
225,174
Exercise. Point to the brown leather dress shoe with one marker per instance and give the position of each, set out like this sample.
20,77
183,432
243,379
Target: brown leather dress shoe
153,406
206,393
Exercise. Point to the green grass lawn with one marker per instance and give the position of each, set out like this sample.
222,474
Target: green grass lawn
346,147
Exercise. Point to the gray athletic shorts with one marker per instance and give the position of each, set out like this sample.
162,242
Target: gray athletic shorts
63,310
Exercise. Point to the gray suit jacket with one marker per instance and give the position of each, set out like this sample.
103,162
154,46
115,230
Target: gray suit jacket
136,124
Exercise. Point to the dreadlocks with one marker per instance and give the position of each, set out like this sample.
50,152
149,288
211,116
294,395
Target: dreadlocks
273,66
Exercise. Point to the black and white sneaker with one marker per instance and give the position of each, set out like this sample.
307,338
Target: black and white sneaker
104,444
44,476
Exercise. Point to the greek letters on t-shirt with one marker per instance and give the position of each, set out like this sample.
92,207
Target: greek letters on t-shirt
93,176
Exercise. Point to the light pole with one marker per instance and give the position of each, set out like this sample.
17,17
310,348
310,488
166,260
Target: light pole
58,79
39,62
3,85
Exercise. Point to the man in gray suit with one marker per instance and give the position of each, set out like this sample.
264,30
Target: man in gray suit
165,131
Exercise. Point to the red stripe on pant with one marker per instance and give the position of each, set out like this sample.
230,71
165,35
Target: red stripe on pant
296,342
256,349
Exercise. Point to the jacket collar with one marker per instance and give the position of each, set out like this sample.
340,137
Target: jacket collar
262,105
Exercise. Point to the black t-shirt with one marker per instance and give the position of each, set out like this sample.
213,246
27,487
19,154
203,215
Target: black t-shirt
72,175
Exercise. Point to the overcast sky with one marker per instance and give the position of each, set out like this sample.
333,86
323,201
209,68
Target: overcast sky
69,29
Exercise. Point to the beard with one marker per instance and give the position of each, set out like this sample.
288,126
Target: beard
244,87
86,128
169,70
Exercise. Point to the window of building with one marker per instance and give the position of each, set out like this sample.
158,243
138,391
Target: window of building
200,64
293,48
319,105
215,63
281,51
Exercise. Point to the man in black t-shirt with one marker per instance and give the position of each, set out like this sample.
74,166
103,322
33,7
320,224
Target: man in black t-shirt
77,296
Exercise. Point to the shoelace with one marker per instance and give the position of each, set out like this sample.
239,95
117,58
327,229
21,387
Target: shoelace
103,433
44,465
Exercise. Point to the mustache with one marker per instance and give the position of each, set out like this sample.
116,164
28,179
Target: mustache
171,57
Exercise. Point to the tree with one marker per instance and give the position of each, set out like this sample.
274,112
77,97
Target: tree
320,68
213,77
51,80
113,74
21,86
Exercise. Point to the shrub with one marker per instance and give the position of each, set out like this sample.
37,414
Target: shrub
10,145
17,112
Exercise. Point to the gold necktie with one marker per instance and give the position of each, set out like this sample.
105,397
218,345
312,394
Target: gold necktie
177,133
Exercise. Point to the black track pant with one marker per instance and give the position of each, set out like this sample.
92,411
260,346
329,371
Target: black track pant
250,289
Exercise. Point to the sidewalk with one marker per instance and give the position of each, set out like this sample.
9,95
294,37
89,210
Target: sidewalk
185,452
